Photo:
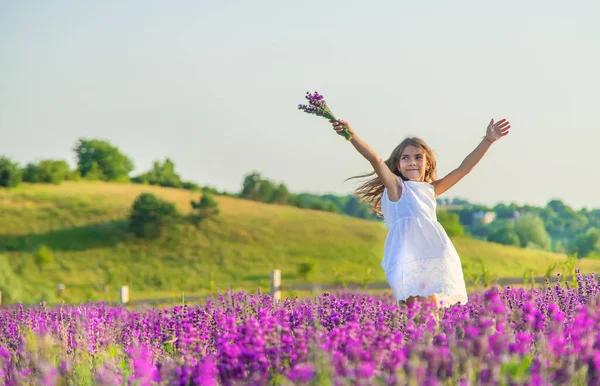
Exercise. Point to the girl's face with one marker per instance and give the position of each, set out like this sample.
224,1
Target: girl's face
413,164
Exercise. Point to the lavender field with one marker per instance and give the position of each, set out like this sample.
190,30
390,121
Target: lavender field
546,335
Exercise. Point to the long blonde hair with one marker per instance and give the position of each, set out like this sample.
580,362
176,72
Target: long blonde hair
372,190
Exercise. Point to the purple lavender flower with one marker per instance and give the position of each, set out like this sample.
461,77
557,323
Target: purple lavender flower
206,373
318,106
511,336
302,373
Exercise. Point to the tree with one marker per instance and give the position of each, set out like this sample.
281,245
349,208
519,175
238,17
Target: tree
281,195
594,216
161,174
330,206
266,191
30,173
460,202
558,206
588,243
150,215
505,211
257,188
164,174
188,185
451,223
576,223
530,229
251,186
95,173
46,171
53,171
10,174
352,207
111,164
366,212
317,205
555,224
204,208
505,236
339,201
298,201
167,174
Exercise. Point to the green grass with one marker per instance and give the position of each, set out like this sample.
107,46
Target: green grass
85,226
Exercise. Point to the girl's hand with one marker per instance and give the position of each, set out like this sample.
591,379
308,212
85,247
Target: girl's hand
497,130
339,125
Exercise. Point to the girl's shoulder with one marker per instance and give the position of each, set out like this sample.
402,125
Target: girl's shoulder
385,193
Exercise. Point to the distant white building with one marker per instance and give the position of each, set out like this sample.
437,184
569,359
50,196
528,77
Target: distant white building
483,217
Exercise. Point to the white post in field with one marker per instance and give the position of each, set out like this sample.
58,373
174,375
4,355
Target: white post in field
124,294
276,284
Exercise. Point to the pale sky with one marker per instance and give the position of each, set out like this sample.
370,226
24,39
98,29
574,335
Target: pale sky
214,85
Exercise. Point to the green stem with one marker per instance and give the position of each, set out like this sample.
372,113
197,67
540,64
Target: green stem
347,134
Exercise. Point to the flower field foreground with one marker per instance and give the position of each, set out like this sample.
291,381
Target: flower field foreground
548,335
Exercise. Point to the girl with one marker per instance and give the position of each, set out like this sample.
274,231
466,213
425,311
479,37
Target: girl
420,262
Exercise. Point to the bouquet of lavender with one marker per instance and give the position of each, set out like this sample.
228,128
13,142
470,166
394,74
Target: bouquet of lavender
318,106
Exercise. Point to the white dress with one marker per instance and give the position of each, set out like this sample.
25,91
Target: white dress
419,258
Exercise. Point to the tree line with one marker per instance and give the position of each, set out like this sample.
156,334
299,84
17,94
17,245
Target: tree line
97,160
256,187
555,227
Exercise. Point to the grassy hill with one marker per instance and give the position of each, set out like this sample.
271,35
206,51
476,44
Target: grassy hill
85,226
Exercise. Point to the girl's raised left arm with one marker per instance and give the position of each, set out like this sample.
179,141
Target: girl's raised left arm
495,131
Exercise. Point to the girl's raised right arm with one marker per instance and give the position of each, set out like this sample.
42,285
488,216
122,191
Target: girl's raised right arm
387,177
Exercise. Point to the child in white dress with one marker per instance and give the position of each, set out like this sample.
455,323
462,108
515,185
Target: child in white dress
420,262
